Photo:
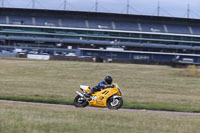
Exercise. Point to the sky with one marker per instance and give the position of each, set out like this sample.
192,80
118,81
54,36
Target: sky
172,8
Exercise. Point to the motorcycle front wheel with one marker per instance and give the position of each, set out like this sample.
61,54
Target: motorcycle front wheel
114,103
80,101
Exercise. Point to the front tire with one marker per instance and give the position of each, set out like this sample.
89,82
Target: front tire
114,103
80,101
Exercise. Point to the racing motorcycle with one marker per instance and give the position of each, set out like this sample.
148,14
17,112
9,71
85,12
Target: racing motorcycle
109,97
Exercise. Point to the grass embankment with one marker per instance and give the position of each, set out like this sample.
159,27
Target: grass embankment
143,86
26,118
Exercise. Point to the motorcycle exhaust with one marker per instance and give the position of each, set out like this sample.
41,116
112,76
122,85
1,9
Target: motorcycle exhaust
80,94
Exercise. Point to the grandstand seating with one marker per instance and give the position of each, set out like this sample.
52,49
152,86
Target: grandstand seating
2,19
20,20
152,27
196,30
47,21
99,24
181,29
126,25
131,23
72,21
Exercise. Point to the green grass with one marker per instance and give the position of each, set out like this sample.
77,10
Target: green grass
26,118
37,99
143,86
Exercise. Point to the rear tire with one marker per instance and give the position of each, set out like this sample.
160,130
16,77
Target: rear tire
115,103
80,101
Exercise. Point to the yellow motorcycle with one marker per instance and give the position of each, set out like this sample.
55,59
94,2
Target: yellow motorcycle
109,97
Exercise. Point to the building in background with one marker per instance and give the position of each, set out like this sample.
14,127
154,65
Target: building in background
106,35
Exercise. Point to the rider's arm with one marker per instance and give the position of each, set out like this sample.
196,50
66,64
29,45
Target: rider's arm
101,85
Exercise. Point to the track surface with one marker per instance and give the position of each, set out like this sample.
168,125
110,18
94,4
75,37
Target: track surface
131,110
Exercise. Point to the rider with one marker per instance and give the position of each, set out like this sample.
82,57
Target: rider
106,83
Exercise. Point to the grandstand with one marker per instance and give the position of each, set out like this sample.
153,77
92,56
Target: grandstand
107,35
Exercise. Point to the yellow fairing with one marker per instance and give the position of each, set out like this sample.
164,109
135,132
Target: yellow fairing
87,90
100,98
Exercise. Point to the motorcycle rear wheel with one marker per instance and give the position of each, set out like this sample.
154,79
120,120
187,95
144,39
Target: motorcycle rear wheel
115,103
80,101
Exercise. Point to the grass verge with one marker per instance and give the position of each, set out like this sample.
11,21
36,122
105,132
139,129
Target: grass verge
157,106
26,118
38,100
143,86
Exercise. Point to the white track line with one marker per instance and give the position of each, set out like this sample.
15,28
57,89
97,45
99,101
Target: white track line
131,110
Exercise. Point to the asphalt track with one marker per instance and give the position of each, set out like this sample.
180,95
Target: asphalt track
130,110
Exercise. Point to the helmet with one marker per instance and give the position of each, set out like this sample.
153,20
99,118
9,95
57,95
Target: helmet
108,79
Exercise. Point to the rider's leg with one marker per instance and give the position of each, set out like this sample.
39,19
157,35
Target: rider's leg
94,89
88,94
